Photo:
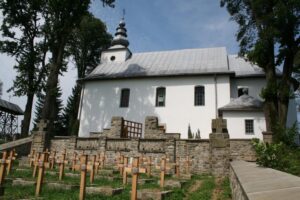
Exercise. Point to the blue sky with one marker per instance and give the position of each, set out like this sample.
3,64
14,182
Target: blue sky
156,25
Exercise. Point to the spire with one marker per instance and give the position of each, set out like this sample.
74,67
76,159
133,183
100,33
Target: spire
121,34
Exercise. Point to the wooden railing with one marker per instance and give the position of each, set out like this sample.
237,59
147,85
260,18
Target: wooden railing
131,129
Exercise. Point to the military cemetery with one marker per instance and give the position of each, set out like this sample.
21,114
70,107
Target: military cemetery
187,100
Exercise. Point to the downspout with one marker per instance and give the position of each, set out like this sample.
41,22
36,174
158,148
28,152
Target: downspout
216,95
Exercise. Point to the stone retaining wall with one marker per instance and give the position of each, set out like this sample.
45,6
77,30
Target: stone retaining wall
251,182
199,151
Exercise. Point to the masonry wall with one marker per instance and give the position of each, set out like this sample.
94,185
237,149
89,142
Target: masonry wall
199,151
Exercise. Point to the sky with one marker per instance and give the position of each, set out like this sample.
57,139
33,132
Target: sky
152,25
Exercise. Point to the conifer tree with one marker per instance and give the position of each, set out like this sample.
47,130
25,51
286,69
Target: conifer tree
190,134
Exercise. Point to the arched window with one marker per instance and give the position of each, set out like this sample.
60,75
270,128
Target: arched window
124,101
160,96
199,95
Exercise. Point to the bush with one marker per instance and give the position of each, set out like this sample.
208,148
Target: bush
286,135
271,155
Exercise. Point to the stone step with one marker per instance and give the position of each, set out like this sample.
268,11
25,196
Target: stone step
149,194
56,185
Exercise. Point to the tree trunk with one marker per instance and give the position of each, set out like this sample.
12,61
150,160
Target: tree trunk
27,115
48,111
285,89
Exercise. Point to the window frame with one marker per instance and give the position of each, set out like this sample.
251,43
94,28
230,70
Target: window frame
247,128
124,103
164,97
199,99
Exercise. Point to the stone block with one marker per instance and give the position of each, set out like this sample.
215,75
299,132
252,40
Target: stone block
22,182
172,183
219,140
55,185
104,190
150,194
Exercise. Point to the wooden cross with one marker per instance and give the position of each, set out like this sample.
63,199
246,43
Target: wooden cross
102,160
3,167
42,161
148,166
91,167
121,163
74,160
52,159
31,157
124,171
9,161
62,163
163,168
83,166
135,171
36,162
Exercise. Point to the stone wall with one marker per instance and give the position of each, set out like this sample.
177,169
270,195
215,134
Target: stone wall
199,151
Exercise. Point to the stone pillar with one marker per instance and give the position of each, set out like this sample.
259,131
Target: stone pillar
219,148
151,128
116,127
41,139
267,137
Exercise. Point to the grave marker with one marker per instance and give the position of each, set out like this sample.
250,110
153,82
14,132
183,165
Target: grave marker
3,167
125,172
62,163
31,157
10,160
36,162
135,171
41,164
83,167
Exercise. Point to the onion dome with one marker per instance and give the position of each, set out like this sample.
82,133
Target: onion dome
121,35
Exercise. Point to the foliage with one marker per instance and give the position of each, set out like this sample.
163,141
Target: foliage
197,134
268,36
270,155
190,134
286,135
58,126
23,39
85,46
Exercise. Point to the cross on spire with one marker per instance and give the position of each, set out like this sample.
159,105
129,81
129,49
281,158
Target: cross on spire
123,17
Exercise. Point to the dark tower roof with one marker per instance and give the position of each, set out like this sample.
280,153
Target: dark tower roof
121,35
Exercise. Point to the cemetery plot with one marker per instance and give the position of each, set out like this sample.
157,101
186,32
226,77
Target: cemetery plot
90,177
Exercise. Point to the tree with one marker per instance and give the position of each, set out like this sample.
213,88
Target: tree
197,134
58,128
269,37
190,134
88,40
23,39
61,18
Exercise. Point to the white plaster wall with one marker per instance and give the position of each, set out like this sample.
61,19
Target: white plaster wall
255,86
120,55
102,98
236,124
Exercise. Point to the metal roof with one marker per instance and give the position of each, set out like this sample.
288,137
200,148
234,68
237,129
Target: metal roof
10,108
243,68
244,102
160,63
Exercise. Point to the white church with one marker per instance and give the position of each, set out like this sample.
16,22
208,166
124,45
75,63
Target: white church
181,87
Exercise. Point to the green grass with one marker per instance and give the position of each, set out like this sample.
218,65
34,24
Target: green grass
202,193
293,157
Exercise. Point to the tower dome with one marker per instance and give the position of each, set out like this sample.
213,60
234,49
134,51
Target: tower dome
121,35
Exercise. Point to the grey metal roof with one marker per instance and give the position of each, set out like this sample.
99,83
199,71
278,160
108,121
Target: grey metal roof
175,62
10,107
244,102
243,68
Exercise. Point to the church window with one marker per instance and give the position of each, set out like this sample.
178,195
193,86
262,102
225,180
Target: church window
242,91
124,102
160,96
249,126
199,96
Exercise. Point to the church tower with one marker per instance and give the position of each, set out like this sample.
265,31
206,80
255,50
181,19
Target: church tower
118,52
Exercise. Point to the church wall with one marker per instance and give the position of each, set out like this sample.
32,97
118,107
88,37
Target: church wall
254,84
102,99
236,124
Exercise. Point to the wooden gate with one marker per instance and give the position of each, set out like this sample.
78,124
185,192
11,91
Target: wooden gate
131,129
